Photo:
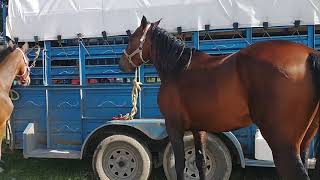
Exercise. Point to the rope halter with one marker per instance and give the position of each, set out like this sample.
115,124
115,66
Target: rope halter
139,49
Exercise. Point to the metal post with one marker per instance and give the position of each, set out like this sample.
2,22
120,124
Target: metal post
311,38
195,39
82,64
82,74
47,81
4,22
249,35
141,79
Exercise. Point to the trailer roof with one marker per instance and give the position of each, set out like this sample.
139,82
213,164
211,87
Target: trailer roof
49,18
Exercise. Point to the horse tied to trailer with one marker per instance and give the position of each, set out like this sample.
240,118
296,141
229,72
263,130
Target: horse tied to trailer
274,84
14,64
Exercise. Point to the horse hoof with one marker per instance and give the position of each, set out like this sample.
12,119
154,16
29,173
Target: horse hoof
2,166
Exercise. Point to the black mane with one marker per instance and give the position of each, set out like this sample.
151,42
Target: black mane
170,55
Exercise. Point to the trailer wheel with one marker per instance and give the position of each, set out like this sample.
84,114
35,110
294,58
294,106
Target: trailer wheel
218,160
122,157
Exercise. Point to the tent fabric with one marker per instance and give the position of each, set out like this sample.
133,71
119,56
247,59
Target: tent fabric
49,18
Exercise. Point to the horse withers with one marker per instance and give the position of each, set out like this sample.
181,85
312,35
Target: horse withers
14,64
274,84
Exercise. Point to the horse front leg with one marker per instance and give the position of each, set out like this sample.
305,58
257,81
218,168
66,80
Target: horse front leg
200,138
176,134
2,133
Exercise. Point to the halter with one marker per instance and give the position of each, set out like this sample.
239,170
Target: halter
27,68
139,49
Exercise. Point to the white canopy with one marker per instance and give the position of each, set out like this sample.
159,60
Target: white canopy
49,18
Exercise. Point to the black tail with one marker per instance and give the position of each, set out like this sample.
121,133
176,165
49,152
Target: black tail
314,57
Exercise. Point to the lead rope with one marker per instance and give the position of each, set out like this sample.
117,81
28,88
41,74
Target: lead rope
14,96
134,98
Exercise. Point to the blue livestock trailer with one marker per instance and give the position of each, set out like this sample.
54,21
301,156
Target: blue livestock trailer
77,89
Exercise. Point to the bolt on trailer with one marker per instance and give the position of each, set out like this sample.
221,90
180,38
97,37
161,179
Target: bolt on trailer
77,92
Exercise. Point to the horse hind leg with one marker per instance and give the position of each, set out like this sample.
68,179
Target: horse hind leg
317,156
305,144
200,138
289,164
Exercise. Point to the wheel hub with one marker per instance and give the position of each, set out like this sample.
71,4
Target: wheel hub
120,163
191,170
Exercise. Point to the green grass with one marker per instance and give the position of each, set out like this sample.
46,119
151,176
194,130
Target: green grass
19,168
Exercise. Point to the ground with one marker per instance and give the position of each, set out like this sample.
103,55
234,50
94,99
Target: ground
19,168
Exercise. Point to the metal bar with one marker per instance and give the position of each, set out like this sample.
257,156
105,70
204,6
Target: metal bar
4,23
195,40
47,82
82,74
311,36
47,66
141,79
82,64
249,35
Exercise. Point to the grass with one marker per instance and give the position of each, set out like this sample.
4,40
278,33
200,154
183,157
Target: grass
19,168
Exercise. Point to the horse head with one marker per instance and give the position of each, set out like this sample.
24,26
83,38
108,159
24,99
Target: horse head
23,70
138,51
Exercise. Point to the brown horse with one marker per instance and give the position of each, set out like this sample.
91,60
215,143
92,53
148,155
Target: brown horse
275,84
13,64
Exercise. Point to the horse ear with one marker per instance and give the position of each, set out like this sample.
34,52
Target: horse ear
155,24
144,22
25,47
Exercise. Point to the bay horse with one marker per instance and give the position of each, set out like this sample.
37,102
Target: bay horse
274,84
14,64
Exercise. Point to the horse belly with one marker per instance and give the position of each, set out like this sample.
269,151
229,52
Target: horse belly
220,119
218,109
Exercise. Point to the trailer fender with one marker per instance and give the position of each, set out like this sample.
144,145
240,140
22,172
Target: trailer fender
229,136
153,128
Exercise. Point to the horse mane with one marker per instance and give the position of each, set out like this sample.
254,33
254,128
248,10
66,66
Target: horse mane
4,52
170,55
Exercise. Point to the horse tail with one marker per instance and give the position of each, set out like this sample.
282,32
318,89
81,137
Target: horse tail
314,58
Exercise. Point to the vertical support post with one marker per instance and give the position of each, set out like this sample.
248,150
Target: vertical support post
141,78
311,37
82,74
249,35
82,64
311,44
47,81
195,39
4,22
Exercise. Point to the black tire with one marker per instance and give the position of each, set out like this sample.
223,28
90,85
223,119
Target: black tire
219,160
122,157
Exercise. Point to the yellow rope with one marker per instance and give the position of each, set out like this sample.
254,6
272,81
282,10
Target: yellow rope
134,96
14,95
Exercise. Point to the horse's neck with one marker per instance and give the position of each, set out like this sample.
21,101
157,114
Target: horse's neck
8,72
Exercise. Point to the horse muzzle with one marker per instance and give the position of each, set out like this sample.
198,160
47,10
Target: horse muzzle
124,65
